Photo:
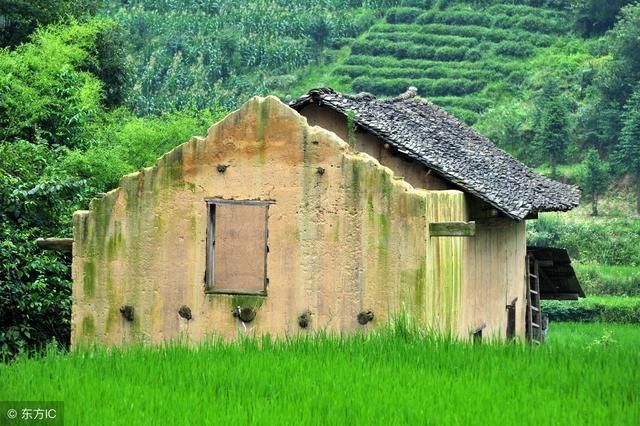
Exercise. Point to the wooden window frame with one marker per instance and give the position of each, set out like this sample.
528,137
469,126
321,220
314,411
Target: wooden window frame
209,286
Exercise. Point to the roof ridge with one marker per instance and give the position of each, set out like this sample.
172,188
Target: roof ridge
427,133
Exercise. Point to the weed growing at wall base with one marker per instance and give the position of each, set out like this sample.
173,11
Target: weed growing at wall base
585,374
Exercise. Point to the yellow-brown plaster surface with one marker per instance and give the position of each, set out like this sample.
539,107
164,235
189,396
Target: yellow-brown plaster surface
412,171
348,240
351,239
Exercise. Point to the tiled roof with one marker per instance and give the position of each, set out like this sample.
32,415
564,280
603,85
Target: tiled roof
426,133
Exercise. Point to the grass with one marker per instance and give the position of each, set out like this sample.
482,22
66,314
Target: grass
566,172
605,240
585,374
614,280
609,309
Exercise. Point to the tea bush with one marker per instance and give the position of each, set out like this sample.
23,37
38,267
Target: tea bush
616,242
601,309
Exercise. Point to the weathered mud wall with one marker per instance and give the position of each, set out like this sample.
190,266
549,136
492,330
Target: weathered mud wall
414,173
484,273
346,238
494,275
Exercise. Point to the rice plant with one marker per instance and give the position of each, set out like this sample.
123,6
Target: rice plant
584,374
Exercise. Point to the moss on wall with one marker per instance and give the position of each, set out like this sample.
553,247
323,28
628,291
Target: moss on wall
88,327
350,239
245,300
89,281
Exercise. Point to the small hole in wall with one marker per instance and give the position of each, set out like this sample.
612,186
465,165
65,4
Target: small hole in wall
127,312
320,170
244,314
185,312
365,317
304,320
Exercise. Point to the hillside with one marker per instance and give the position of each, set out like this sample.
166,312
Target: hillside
204,54
453,56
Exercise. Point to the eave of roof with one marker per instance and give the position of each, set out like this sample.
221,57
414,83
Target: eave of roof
426,133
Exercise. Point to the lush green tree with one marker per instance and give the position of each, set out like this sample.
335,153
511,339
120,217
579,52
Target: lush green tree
594,178
35,289
628,152
598,125
51,99
599,118
110,64
20,18
551,125
47,89
625,41
320,32
593,17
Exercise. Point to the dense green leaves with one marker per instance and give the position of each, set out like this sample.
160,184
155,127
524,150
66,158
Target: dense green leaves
47,92
19,18
34,286
628,153
594,178
595,16
199,55
551,125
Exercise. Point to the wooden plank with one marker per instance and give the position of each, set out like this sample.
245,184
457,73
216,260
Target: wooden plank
452,229
240,242
59,244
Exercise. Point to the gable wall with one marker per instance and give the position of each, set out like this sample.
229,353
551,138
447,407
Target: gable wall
412,171
352,239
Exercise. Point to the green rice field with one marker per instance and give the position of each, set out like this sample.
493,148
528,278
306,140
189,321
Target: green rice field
586,374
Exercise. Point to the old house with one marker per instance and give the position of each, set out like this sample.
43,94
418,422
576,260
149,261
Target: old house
334,213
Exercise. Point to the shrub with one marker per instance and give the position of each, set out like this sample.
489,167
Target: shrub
426,38
474,54
608,280
408,50
543,25
400,15
426,87
609,309
468,103
455,18
611,243
513,48
469,117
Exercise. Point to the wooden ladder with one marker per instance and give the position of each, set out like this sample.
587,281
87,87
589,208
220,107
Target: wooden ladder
534,314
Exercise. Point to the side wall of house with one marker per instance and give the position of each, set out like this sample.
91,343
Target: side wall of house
345,236
414,173
493,261
494,276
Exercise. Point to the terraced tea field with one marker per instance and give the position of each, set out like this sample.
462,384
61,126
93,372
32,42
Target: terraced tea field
456,57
